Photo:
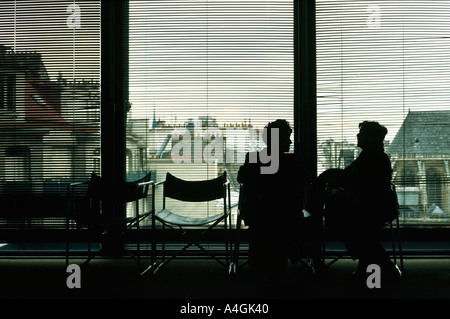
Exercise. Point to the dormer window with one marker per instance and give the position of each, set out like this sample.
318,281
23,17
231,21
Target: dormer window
7,92
38,99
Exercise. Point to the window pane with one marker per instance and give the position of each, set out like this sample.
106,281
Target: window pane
205,78
389,61
49,97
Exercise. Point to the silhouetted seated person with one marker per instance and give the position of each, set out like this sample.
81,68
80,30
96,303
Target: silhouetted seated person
271,199
359,201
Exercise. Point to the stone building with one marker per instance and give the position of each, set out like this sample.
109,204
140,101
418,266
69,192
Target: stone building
420,156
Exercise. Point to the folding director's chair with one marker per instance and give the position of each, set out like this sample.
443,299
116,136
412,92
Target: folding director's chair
192,229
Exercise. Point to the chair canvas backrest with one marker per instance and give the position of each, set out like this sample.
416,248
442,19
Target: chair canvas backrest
96,192
131,192
128,192
194,191
95,189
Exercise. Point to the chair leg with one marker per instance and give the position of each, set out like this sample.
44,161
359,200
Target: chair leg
153,239
165,261
227,257
153,257
89,247
163,242
400,248
138,244
324,244
67,242
237,243
394,250
193,241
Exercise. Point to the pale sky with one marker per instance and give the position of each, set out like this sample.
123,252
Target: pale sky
375,61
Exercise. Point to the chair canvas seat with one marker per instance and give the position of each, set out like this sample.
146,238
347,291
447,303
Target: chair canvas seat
174,219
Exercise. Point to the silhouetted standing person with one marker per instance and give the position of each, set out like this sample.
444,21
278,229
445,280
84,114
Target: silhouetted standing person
271,201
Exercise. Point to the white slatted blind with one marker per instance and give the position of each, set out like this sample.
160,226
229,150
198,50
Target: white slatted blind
222,68
389,61
49,95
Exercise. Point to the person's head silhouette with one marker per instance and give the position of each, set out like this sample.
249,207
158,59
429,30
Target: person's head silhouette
284,135
371,135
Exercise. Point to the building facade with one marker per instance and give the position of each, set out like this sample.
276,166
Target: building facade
420,158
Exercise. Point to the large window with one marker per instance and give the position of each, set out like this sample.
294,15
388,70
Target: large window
389,61
205,78
49,100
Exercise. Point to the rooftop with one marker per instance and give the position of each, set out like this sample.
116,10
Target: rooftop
423,132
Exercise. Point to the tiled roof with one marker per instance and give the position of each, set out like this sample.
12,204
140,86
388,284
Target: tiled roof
423,132
29,62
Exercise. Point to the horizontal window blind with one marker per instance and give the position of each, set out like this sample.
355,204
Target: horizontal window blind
49,100
389,61
205,78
